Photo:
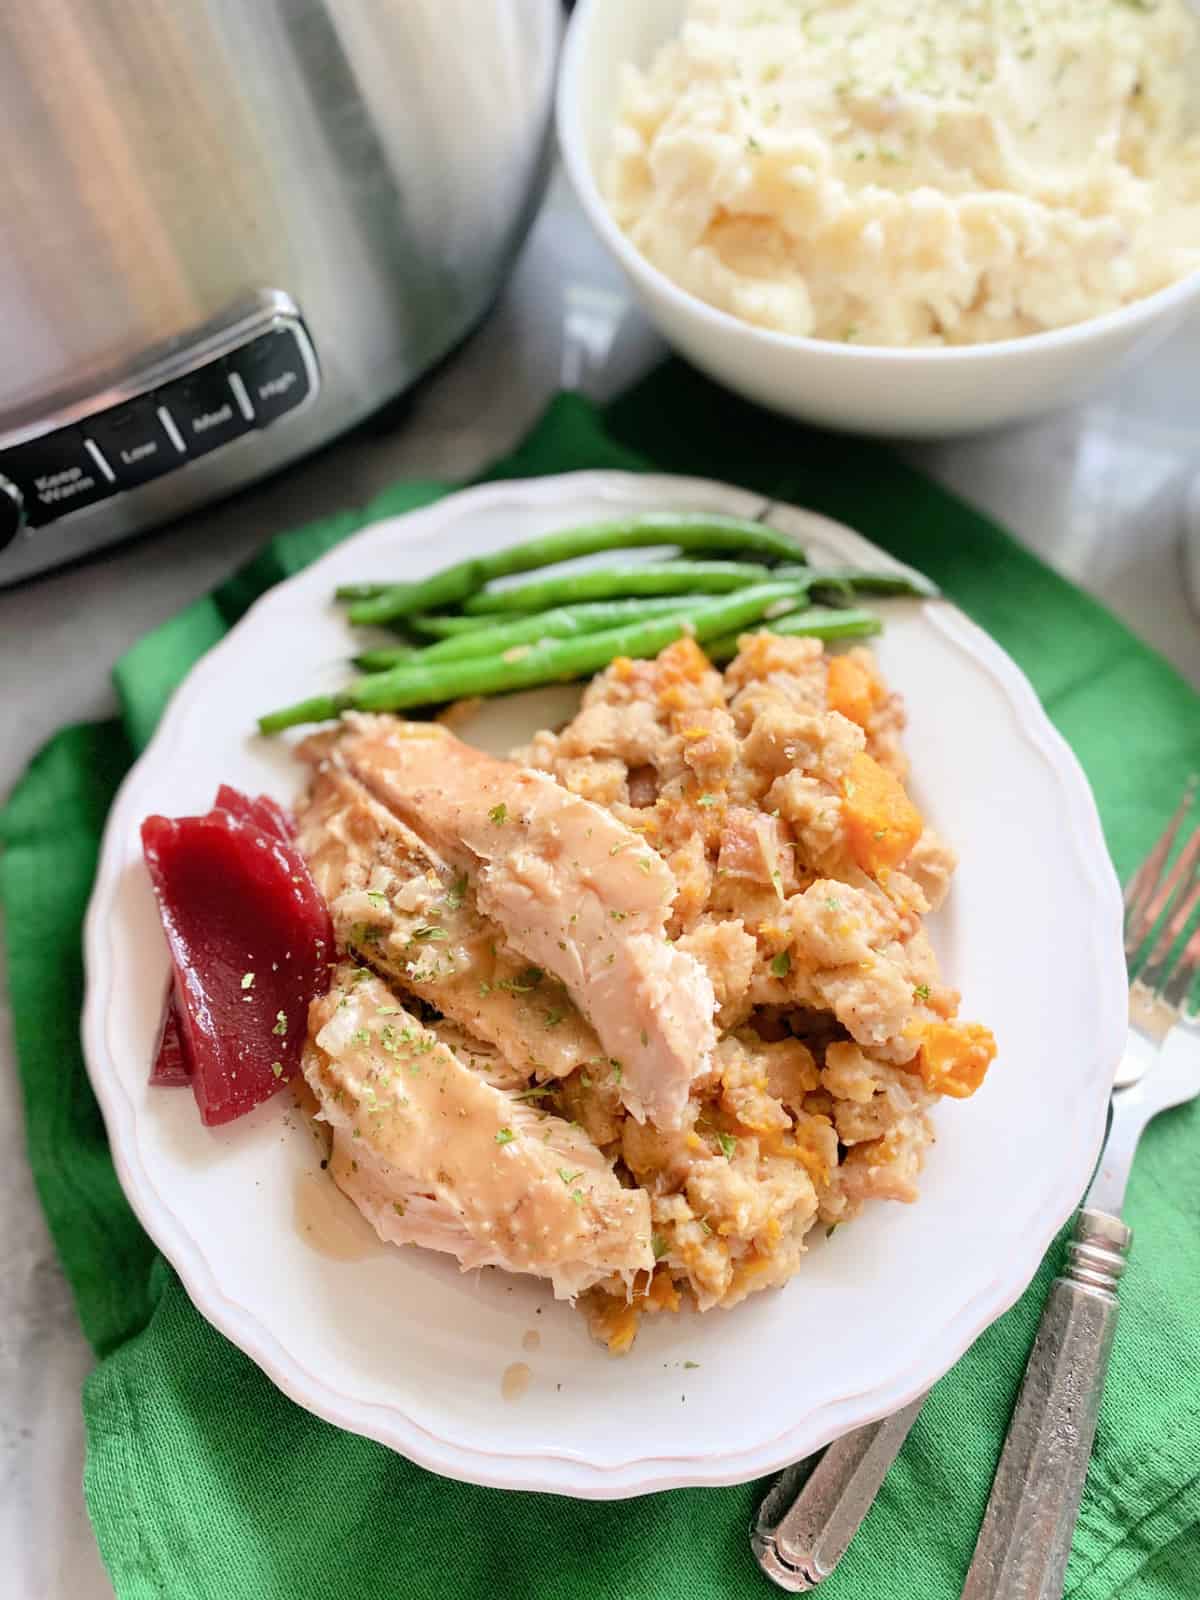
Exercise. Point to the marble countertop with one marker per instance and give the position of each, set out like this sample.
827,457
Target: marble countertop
1099,492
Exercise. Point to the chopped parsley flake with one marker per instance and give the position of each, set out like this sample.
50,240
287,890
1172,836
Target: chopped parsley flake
707,800
644,864
622,844
498,813
528,978
690,1366
618,916
728,1145
538,1093
377,897
577,1196
617,1070
277,1068
569,1177
247,980
456,893
659,1246
921,992
833,904
360,1036
505,1136
781,964
280,1023
553,1018
430,932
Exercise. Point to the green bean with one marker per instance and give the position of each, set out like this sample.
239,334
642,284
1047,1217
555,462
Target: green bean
503,634
360,591
696,530
605,583
815,623
859,582
555,661
386,657
444,627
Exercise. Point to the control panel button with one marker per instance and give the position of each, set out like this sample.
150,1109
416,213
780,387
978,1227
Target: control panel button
203,410
56,474
12,511
134,442
274,374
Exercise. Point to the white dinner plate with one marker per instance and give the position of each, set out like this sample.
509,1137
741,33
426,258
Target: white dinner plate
401,1346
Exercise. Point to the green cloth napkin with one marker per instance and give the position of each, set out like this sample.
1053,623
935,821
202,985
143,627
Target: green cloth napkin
205,1483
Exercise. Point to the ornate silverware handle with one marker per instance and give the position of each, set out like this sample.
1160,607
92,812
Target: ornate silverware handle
815,1508
1023,1545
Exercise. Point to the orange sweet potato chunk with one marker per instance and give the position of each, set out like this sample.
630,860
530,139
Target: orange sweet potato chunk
954,1056
853,689
882,824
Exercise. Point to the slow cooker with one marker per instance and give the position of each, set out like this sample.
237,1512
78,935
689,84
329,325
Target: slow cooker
229,231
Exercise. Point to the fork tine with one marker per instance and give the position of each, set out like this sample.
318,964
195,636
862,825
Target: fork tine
1173,898
1177,990
1158,962
1140,888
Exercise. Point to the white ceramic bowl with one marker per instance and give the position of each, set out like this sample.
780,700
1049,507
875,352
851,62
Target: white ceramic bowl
401,1346
903,393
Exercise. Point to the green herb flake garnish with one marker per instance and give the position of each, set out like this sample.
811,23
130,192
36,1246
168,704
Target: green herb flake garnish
505,1136
277,1068
921,992
498,813
247,980
781,964
617,1070
569,1177
538,1093
707,800
728,1145
659,1246
377,897
528,978
281,1025
360,1036
690,1366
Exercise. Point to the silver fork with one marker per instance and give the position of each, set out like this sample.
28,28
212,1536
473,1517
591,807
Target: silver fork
813,1510
1025,1539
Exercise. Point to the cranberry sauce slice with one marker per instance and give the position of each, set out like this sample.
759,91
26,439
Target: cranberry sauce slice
266,813
250,941
171,1064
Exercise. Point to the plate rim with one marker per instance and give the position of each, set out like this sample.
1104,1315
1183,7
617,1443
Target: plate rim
566,1471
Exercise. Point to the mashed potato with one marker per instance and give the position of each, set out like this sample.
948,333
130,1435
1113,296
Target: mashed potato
947,174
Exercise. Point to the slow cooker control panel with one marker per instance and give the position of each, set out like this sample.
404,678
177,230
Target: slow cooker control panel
234,384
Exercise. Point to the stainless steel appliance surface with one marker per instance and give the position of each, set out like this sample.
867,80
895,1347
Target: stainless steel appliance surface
229,231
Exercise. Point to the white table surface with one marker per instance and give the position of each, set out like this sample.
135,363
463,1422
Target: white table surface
1099,492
